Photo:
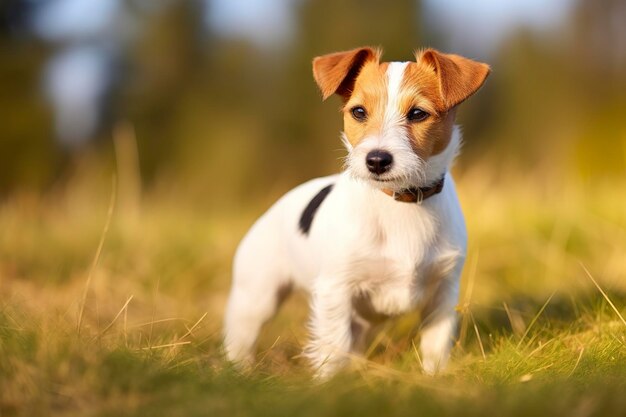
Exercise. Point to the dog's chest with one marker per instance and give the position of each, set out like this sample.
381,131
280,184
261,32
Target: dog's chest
393,271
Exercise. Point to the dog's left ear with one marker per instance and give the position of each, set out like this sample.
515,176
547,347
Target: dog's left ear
459,77
335,73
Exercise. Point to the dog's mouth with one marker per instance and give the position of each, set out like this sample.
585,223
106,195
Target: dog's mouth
390,179
386,182
395,182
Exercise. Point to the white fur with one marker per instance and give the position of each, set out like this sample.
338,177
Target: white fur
363,245
408,169
395,75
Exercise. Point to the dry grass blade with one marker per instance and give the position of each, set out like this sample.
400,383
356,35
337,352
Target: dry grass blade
580,355
540,347
124,307
166,345
606,297
156,295
128,171
125,329
266,353
480,342
534,320
96,258
378,340
467,299
517,323
417,354
543,368
193,327
150,323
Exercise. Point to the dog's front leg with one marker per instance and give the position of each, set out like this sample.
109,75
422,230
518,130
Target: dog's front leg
438,328
330,327
437,338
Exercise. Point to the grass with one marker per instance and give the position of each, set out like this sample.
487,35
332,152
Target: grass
131,326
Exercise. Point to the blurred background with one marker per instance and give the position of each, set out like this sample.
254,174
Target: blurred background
197,115
217,103
140,139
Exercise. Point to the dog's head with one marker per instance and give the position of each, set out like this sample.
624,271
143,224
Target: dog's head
398,116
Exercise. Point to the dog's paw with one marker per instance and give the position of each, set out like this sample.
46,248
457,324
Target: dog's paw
431,366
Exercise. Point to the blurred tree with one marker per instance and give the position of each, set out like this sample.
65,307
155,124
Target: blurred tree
556,97
598,49
160,67
14,16
221,116
29,155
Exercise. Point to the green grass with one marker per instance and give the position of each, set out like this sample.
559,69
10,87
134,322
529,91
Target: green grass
149,339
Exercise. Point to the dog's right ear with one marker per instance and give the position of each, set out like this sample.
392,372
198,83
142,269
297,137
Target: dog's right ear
459,77
335,73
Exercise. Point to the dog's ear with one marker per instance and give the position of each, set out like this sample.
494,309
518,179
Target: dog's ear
459,77
335,73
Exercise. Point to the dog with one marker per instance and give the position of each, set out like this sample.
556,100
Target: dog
384,237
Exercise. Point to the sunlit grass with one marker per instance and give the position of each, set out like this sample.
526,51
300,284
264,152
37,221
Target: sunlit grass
537,335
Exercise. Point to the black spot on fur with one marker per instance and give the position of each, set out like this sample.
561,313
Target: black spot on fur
306,219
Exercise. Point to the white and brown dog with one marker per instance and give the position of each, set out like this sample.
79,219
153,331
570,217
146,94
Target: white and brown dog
386,236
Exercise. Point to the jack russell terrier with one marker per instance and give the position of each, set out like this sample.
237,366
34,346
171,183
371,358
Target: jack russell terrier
384,237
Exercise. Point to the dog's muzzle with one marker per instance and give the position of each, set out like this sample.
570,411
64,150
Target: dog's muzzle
378,162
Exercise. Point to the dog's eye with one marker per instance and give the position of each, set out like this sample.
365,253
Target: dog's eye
416,115
359,113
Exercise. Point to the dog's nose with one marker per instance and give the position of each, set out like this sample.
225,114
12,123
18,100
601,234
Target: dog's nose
378,162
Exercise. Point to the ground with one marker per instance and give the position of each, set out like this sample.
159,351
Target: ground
113,306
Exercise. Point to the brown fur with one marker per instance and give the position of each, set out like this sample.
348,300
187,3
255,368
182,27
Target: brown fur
459,77
420,88
370,92
436,83
335,73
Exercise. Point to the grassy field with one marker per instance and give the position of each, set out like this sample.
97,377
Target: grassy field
114,307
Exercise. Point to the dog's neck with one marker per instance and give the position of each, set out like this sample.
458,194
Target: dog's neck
416,194
437,165
434,175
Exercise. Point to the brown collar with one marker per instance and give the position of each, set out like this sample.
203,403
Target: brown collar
415,194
